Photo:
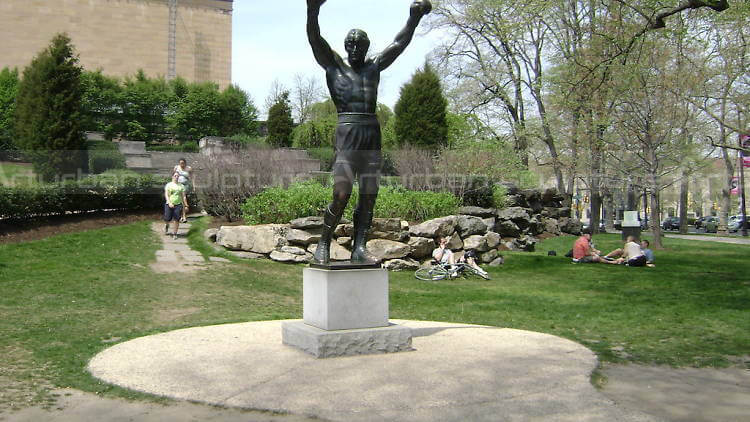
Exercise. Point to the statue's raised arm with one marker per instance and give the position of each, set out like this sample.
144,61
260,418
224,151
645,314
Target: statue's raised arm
323,53
418,9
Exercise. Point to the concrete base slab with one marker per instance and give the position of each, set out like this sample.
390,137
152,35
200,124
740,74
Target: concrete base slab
457,372
364,341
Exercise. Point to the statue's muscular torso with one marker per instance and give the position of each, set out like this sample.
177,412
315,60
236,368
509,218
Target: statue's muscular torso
354,91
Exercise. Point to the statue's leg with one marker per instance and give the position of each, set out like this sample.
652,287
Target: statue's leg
343,176
369,183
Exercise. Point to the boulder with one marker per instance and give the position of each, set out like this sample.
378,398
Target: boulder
570,225
345,229
302,237
526,243
468,225
280,256
421,247
437,227
516,201
489,222
507,228
210,234
247,255
401,264
383,249
293,250
488,256
497,261
493,239
404,225
344,241
263,238
535,226
534,199
386,225
477,211
552,198
306,223
520,216
338,252
455,242
551,226
388,228
477,243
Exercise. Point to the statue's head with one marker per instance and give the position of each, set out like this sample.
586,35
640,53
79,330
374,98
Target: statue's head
356,44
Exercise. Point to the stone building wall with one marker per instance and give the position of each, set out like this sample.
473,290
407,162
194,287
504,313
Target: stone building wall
121,36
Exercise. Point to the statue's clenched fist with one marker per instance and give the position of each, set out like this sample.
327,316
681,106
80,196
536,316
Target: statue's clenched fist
315,3
420,8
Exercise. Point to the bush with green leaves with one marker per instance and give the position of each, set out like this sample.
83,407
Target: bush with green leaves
310,198
119,190
280,123
103,156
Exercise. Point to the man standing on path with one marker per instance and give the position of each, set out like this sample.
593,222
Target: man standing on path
354,90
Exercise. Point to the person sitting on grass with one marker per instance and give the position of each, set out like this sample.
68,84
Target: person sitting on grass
583,252
648,252
176,201
630,254
445,256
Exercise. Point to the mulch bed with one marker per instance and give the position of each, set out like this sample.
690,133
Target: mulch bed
40,228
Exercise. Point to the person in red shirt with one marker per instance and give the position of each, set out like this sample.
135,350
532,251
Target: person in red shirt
583,252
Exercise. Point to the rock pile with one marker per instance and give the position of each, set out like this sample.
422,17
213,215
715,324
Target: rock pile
402,246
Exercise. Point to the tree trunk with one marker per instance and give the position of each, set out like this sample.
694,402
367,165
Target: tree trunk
655,213
684,185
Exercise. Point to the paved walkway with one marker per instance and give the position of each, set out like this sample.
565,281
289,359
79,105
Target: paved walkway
723,239
176,255
457,372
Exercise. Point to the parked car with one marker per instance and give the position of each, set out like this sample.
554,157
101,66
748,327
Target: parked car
711,224
735,224
699,222
671,223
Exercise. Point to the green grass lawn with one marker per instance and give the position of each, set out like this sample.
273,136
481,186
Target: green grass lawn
65,298
15,174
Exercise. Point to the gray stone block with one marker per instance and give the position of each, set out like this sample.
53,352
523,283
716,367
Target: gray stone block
345,299
324,344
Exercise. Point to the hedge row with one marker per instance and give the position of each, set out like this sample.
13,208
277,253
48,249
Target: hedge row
104,192
303,199
103,156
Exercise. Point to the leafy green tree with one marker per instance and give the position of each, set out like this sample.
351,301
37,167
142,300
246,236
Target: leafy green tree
145,103
101,99
238,115
420,112
280,123
8,90
48,111
197,114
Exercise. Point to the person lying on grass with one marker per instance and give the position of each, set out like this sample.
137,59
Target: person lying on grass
630,254
583,252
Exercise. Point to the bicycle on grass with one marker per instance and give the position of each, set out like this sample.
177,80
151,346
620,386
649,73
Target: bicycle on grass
439,271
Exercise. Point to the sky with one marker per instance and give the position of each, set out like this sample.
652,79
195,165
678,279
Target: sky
270,42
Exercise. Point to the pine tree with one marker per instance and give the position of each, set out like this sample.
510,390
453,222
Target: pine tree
48,112
280,123
8,91
420,112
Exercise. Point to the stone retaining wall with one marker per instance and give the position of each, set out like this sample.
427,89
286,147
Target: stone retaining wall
400,245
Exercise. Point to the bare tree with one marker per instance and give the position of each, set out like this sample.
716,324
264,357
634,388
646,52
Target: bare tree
307,91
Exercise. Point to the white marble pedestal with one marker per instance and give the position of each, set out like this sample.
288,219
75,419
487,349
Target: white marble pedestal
345,312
